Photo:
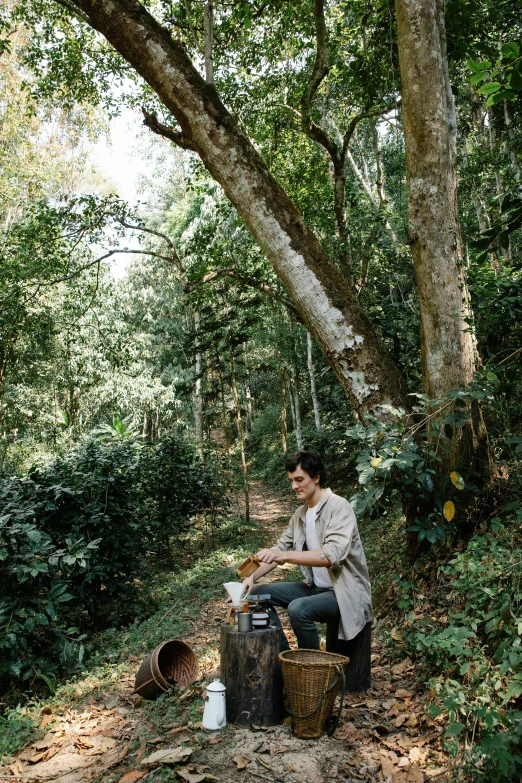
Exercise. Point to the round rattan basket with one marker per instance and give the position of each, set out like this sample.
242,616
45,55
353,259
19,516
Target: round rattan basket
171,664
312,680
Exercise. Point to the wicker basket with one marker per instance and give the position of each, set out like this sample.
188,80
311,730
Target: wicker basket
312,681
171,664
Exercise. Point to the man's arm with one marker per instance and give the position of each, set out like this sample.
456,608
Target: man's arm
267,563
312,557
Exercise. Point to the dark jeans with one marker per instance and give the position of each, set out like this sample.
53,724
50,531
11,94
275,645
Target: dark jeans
306,605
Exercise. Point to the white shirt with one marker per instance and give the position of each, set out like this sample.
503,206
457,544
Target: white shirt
321,575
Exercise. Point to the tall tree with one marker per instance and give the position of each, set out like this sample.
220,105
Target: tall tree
328,305
430,132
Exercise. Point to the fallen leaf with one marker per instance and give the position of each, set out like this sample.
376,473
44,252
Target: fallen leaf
190,777
83,743
435,773
47,718
387,768
177,730
348,731
280,749
417,754
16,768
253,727
41,745
156,740
25,755
372,704
396,635
36,758
133,776
414,774
400,720
405,742
402,694
241,761
51,752
393,712
168,756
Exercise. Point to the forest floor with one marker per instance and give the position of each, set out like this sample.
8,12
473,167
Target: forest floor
96,729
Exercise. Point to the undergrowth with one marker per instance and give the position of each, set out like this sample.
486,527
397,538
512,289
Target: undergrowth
462,624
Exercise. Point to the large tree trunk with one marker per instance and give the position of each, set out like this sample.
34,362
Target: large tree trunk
329,307
447,343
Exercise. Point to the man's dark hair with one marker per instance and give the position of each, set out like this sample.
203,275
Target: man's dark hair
308,461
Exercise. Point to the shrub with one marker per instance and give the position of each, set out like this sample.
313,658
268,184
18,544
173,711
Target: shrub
73,539
469,642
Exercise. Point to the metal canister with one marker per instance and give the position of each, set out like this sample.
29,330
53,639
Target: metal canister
260,619
244,622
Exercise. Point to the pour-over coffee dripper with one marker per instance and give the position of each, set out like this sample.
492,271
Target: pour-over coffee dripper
236,591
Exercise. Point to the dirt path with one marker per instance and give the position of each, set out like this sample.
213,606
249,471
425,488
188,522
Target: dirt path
384,735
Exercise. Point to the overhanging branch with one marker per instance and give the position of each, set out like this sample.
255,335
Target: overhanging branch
152,122
174,257
246,280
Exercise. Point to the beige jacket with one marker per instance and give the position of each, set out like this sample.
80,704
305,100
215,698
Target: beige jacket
338,535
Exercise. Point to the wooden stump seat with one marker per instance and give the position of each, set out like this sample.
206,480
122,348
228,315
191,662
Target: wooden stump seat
358,650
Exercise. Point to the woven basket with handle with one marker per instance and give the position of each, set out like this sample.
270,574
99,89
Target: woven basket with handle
171,664
312,680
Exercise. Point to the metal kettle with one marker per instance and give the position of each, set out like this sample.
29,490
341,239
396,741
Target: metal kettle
215,713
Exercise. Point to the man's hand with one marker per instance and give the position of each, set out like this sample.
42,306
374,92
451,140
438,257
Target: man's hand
249,580
270,556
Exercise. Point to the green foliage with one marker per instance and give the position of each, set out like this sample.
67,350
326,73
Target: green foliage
470,646
73,536
508,208
15,730
508,68
398,458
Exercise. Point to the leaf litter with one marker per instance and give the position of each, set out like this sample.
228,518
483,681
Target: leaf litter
384,735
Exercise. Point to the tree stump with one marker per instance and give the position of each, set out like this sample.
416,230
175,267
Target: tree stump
252,676
358,650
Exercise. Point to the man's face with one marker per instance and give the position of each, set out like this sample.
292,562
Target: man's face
303,484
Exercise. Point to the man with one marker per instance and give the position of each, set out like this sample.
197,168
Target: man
323,539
